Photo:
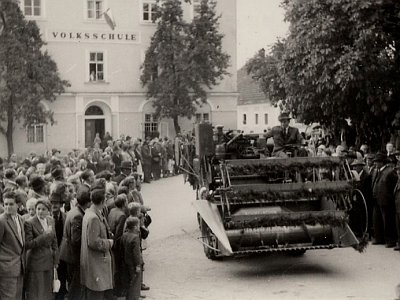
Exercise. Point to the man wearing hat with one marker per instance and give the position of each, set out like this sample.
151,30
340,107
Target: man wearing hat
126,170
284,135
383,184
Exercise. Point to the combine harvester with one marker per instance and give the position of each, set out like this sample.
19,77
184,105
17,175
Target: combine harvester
247,204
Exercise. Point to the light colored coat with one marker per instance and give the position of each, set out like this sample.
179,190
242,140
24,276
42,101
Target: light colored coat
96,258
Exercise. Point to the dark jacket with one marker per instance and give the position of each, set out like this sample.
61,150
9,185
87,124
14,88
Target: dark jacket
42,247
130,243
146,153
116,220
397,197
70,250
280,139
384,184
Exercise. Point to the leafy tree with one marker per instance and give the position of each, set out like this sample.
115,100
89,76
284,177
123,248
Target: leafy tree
183,59
27,75
340,60
207,59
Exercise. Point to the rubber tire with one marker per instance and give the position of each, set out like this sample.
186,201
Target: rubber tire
206,231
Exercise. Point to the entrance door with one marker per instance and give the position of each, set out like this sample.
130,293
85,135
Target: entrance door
93,126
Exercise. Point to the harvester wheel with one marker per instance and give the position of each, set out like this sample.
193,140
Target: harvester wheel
209,239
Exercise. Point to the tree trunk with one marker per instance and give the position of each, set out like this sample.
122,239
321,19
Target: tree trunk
176,125
9,131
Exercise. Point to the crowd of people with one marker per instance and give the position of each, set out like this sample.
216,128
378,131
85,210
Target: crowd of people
377,176
79,219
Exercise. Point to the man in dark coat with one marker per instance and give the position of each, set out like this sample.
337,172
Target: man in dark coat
284,135
117,159
59,221
126,170
132,257
116,219
87,178
70,250
383,184
397,204
146,160
12,240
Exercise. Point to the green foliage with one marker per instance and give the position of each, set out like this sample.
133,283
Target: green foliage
27,74
182,60
340,60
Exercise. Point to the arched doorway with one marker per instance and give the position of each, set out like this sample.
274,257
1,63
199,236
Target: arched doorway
94,123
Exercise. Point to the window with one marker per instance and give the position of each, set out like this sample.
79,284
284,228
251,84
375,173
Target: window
96,66
32,8
94,111
265,118
95,9
148,10
35,133
202,118
244,119
256,119
198,118
196,7
150,124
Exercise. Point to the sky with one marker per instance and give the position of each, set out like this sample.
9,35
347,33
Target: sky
259,24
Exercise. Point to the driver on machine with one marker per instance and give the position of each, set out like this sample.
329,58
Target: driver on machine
284,136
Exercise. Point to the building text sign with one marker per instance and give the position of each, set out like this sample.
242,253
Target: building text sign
92,36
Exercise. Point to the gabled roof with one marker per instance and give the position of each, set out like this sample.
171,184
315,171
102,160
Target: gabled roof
249,90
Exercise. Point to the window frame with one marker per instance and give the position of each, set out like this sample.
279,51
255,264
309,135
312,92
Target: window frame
35,138
33,17
265,119
151,123
94,19
151,3
256,119
88,67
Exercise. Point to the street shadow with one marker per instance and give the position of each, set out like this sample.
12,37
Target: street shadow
278,265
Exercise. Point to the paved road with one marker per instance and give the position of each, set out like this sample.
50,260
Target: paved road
176,267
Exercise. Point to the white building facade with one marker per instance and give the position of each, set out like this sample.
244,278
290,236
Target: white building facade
255,113
103,68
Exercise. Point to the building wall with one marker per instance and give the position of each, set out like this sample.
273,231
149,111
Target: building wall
64,27
250,110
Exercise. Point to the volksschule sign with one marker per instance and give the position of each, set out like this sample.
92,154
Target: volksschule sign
92,36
